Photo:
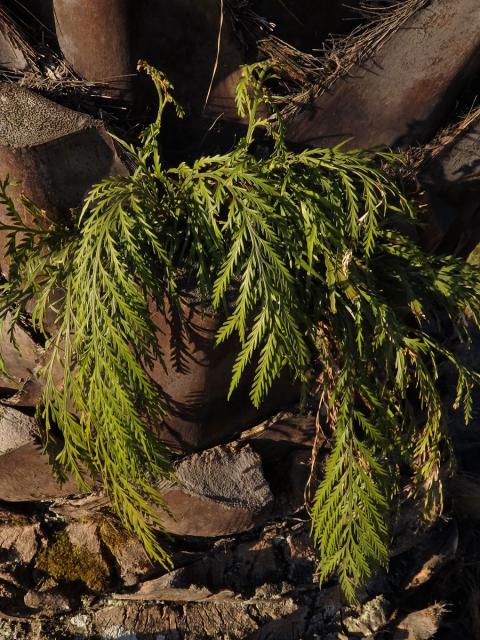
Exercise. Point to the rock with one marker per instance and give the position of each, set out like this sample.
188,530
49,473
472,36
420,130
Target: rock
284,444
81,508
195,621
49,603
235,569
16,430
356,628
420,625
404,92
85,536
132,560
94,37
21,539
25,472
26,475
373,617
220,491
286,627
152,590
55,153
275,563
81,622
451,180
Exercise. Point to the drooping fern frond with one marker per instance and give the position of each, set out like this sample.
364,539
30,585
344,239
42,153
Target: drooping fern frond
350,512
385,406
308,259
109,265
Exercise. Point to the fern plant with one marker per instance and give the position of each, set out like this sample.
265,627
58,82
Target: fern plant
309,257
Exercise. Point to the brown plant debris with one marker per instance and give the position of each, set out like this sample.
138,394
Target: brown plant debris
48,73
419,157
304,76
14,33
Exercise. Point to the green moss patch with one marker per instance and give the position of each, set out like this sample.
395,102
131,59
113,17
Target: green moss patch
68,563
114,538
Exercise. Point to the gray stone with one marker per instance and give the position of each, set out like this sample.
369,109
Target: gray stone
402,95
226,474
375,613
420,625
25,472
219,492
356,627
16,429
22,539
48,603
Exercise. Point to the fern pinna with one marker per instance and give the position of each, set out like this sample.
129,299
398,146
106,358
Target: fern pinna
310,257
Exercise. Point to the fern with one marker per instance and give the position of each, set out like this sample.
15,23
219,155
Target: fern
309,259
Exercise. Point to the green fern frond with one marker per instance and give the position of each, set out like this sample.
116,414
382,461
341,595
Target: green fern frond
302,257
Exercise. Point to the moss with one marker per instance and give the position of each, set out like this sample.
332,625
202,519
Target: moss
67,563
114,538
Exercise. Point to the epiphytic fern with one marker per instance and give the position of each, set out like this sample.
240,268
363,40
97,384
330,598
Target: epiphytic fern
309,257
